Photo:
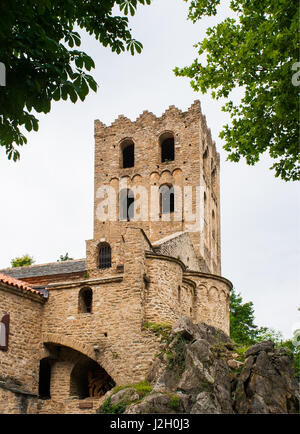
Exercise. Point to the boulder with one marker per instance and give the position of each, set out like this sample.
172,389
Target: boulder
197,372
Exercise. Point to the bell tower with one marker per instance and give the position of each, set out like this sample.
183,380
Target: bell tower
160,174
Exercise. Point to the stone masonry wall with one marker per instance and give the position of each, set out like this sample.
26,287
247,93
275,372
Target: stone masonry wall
212,296
179,246
115,325
168,297
19,366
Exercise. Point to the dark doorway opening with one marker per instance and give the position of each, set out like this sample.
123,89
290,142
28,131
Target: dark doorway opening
89,379
45,379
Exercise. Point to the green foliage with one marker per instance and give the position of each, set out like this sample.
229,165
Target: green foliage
241,349
269,334
242,328
245,333
143,389
294,347
174,402
22,261
255,52
118,408
162,330
39,46
65,257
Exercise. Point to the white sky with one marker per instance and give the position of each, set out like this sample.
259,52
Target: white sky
47,197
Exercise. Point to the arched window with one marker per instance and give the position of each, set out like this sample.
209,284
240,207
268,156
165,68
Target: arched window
104,257
126,204
85,300
45,379
167,147
127,149
166,195
4,332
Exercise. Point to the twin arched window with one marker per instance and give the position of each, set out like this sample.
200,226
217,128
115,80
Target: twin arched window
126,203
167,149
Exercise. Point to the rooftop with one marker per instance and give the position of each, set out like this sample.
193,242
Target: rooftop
8,280
49,269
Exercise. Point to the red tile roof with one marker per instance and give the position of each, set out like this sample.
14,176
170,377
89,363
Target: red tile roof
17,283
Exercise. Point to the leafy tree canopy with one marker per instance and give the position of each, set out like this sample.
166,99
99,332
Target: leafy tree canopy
65,257
242,328
256,51
22,261
245,333
39,48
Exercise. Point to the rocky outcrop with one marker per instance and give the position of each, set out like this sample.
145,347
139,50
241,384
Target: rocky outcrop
199,371
266,383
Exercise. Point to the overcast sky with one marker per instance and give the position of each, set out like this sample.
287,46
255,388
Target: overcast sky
47,197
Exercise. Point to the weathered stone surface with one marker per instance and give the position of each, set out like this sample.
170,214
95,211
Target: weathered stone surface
153,403
128,394
206,403
234,364
267,383
262,346
211,381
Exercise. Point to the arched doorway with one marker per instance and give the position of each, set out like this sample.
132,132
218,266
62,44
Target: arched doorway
89,379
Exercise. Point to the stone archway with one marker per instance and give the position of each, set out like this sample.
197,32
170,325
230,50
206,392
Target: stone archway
66,341
89,379
75,371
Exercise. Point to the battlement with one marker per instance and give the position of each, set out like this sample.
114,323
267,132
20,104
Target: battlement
146,116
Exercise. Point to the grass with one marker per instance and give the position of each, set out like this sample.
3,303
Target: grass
163,330
174,403
143,389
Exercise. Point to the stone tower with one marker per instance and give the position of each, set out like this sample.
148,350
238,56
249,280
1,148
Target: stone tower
160,174
87,324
